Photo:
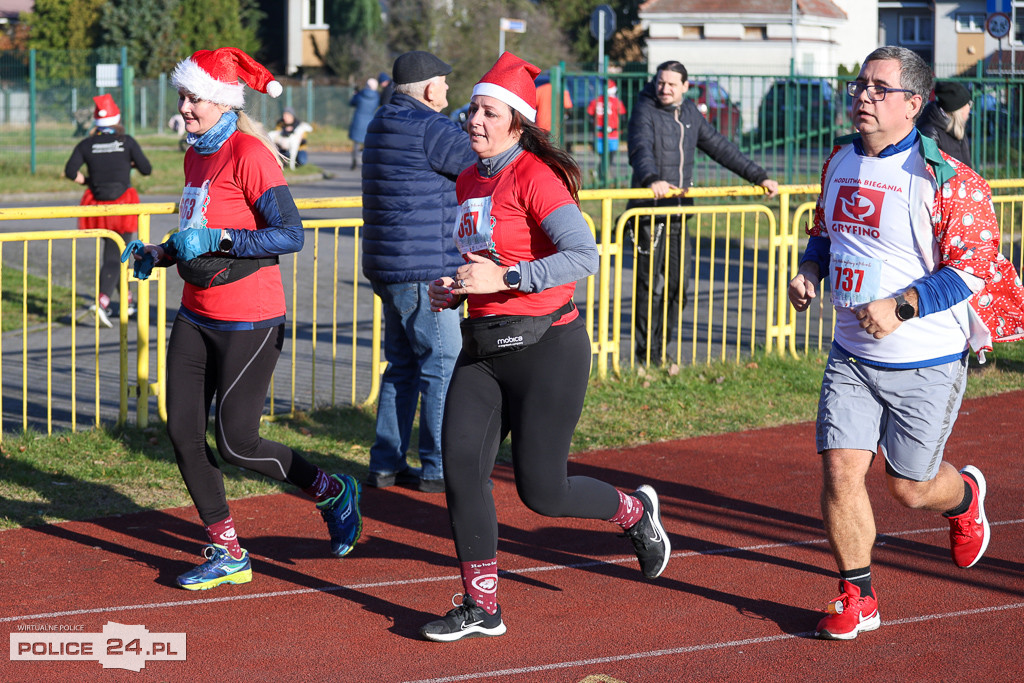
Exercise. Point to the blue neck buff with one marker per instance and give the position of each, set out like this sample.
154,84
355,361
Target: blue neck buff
210,141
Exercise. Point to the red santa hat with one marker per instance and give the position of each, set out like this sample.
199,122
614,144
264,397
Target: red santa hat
612,88
106,113
213,75
511,81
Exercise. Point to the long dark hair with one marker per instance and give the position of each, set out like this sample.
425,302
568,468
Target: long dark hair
536,141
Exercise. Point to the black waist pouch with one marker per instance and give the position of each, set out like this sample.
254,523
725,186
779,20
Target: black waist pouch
496,335
209,270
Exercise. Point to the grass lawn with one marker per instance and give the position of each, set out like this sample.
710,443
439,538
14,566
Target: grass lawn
113,471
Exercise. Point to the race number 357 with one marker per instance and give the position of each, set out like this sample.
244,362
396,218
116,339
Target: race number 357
467,227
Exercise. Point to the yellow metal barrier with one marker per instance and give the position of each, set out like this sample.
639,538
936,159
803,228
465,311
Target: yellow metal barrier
745,255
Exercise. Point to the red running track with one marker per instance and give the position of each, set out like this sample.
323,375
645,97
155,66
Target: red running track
739,600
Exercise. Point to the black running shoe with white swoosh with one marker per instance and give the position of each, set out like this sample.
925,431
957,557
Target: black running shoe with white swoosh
465,621
648,535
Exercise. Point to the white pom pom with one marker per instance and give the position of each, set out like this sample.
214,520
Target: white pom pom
274,89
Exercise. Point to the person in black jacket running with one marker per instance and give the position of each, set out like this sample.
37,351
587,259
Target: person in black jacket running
109,155
665,130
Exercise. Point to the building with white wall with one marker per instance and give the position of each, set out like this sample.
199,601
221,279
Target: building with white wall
760,37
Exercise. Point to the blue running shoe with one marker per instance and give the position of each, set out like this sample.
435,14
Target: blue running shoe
219,568
344,521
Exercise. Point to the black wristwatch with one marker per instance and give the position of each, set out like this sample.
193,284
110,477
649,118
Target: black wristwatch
904,310
512,277
226,242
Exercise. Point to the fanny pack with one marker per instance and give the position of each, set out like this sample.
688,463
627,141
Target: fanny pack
496,335
209,271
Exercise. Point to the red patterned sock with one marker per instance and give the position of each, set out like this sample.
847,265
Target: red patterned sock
630,511
223,533
480,581
324,487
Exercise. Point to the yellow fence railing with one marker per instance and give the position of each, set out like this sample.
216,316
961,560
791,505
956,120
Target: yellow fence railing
59,367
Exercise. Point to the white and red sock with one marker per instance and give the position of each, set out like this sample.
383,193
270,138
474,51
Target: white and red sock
223,533
480,581
324,487
630,511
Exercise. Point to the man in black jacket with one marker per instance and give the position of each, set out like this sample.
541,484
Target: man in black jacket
665,130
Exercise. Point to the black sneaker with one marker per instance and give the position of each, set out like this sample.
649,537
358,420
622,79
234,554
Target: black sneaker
465,621
648,535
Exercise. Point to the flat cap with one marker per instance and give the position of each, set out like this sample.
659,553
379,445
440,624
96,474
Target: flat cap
416,66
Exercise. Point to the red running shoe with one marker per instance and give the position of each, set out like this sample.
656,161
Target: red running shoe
849,614
969,533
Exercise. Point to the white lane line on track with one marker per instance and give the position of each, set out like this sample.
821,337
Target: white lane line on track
697,648
437,579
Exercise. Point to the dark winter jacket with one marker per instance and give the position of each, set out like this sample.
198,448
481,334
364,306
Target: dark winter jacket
410,162
933,122
663,142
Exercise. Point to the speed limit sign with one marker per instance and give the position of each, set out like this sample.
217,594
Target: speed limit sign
998,24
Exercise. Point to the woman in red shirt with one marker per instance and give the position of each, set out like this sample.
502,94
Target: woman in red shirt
236,218
526,354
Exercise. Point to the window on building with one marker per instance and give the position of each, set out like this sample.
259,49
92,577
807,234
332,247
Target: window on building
970,23
755,33
915,30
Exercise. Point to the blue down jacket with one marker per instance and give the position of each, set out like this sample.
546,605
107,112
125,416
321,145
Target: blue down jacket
410,162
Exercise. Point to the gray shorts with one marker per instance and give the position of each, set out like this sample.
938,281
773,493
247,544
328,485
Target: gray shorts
909,413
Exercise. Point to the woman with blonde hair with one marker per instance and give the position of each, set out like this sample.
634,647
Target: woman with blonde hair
236,218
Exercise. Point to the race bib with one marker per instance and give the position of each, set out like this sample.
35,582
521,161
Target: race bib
192,209
855,279
474,227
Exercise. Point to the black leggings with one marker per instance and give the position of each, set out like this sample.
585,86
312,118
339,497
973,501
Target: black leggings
236,367
536,395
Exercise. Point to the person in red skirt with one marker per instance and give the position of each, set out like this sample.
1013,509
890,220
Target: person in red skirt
109,156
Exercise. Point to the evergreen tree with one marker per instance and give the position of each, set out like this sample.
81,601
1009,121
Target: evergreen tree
147,29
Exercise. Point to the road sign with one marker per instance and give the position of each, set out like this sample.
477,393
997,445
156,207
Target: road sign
609,21
998,24
513,25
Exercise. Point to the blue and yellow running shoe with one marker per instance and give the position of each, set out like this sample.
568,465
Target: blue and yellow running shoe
344,521
219,568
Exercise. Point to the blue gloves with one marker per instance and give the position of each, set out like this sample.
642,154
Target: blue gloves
187,244
144,266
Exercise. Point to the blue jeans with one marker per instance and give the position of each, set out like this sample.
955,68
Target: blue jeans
420,347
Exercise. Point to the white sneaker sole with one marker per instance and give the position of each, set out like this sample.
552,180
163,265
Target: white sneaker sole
471,632
871,624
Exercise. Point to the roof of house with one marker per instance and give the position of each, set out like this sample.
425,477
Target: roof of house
817,8
10,9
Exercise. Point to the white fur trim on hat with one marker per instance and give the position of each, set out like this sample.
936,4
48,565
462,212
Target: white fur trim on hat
508,97
191,78
107,121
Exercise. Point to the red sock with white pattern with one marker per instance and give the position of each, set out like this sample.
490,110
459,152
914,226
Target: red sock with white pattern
480,582
223,533
324,487
630,511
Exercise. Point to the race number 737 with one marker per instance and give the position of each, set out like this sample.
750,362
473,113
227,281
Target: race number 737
848,279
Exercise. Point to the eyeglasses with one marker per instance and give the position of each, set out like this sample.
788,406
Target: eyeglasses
876,93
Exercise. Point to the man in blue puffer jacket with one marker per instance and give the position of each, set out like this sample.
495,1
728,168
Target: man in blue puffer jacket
412,157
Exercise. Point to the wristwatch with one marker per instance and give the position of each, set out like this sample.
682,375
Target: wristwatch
904,310
512,277
226,242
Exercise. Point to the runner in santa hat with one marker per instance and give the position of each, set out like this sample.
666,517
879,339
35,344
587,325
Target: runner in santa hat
236,218
109,155
526,244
